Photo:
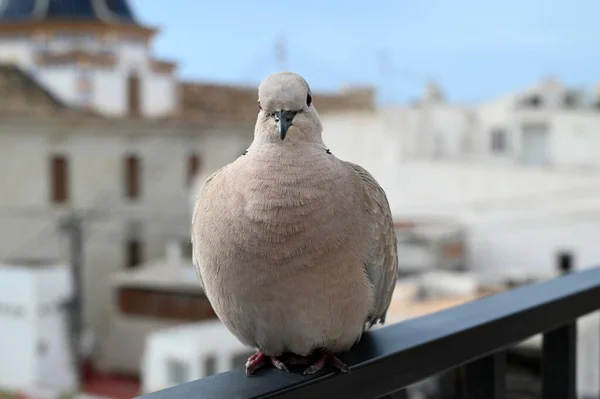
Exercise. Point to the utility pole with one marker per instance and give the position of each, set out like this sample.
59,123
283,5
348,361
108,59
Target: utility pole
72,226
281,53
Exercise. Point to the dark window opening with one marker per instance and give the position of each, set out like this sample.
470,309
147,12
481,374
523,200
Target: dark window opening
534,101
60,179
564,262
132,177
570,101
133,253
210,366
133,94
178,372
499,140
193,167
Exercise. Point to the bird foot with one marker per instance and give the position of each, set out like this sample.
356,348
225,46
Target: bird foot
327,358
259,360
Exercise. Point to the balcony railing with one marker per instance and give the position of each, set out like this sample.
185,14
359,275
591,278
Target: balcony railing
473,337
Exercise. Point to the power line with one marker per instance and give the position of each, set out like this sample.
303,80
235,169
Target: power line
100,206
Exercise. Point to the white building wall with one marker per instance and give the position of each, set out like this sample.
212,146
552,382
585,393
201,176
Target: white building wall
363,138
33,340
109,92
53,352
28,220
16,50
17,329
133,55
60,81
577,138
160,94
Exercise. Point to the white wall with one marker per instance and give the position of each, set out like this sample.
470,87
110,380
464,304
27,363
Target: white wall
28,220
17,329
29,319
109,92
60,81
431,131
54,365
160,94
576,138
17,50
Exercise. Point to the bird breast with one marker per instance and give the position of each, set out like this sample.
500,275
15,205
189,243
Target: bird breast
306,206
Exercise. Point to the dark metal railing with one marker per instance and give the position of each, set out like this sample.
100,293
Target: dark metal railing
473,337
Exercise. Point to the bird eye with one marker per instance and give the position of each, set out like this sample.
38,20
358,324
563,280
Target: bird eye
308,99
259,106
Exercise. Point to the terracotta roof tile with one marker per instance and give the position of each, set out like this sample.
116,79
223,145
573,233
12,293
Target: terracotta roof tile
20,94
205,101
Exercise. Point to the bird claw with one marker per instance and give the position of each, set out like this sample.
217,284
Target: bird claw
259,360
327,358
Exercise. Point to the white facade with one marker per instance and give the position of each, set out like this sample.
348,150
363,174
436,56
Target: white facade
108,85
122,341
34,340
95,154
520,172
546,125
188,352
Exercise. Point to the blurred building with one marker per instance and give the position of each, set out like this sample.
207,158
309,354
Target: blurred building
91,121
548,124
519,173
162,293
188,352
34,327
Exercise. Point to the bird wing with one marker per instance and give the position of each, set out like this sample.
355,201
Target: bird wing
381,264
195,216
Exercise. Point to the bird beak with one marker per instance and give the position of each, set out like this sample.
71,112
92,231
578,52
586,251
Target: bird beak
284,121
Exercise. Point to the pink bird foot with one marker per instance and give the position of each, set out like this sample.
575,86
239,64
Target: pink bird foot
259,360
327,358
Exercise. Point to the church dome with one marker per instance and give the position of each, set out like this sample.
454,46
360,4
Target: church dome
60,10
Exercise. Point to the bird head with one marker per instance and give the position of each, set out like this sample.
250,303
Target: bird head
286,109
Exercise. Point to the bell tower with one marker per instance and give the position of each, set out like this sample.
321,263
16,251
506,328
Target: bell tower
85,52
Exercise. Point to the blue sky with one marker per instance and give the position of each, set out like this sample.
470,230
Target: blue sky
475,49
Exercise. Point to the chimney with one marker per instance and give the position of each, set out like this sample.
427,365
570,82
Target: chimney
174,253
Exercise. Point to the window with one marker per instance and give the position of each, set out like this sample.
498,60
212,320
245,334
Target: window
499,144
187,249
193,166
570,101
42,347
177,372
210,366
132,177
534,101
564,262
133,253
133,94
59,179
164,304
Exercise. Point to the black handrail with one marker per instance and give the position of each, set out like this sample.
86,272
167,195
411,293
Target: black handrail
474,334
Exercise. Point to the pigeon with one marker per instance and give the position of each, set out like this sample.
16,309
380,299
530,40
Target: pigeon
294,248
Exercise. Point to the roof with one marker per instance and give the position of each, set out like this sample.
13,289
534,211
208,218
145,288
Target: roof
21,94
88,10
160,275
202,101
203,104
